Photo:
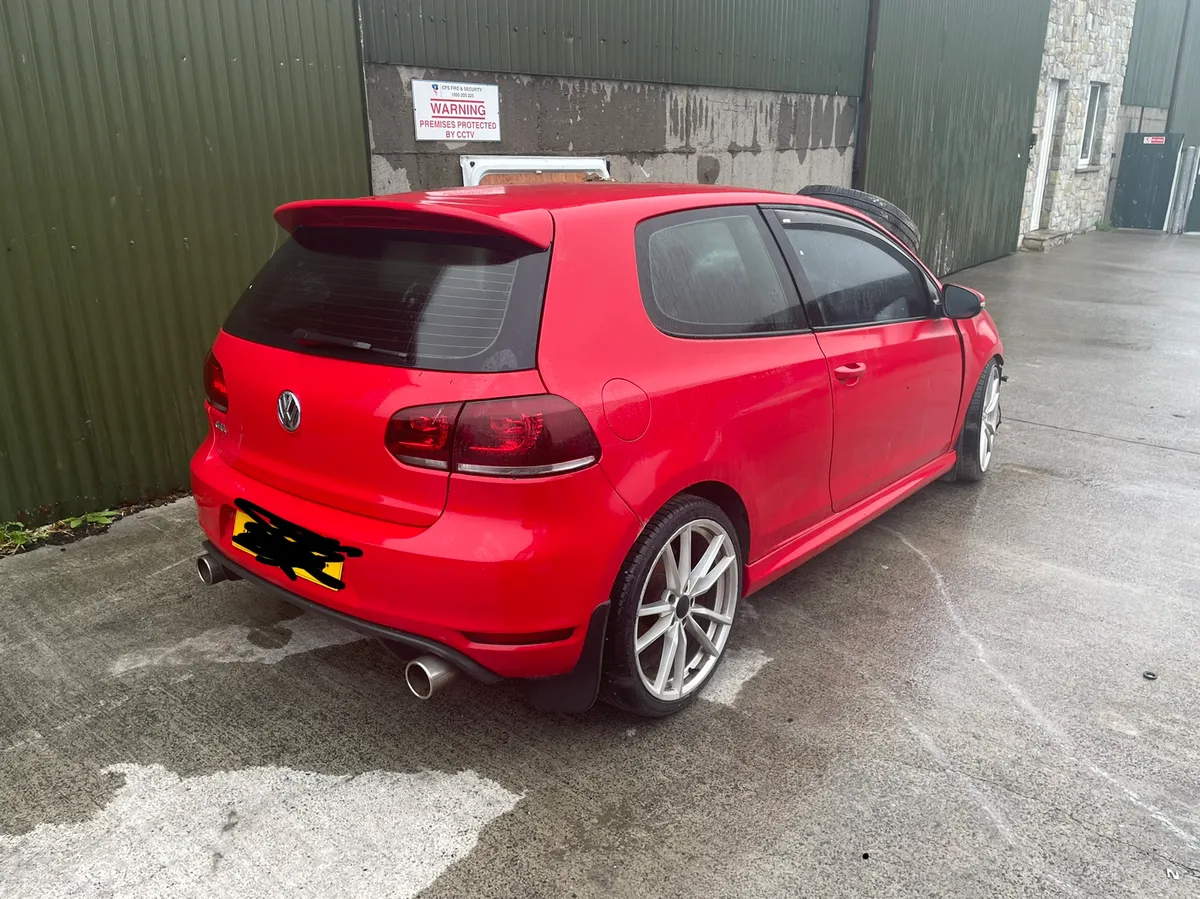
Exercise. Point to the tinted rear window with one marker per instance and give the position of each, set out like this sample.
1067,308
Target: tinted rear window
409,299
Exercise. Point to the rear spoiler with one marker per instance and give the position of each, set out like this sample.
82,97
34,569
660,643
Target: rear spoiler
531,226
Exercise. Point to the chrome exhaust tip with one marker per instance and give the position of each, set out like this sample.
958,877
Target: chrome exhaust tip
428,675
210,570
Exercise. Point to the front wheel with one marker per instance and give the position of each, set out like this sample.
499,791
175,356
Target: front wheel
673,609
977,441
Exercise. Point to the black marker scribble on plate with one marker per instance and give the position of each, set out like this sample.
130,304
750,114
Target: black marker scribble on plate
277,542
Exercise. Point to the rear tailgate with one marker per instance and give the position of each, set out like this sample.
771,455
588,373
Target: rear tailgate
337,456
353,324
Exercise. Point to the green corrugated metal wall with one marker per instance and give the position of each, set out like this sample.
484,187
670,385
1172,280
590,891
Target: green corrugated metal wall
1157,27
955,88
813,46
1185,113
144,145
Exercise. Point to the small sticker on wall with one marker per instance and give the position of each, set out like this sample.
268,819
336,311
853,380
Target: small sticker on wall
1155,139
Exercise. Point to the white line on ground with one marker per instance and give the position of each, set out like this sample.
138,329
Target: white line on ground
1037,715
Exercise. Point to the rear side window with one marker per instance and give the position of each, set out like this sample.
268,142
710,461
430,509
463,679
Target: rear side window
413,300
711,273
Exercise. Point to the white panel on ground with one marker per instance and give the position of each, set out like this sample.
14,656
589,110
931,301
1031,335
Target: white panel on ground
736,669
258,832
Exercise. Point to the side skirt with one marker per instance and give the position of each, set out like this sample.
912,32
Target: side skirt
822,536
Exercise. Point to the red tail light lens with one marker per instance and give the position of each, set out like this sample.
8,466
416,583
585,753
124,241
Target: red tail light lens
529,436
214,384
424,435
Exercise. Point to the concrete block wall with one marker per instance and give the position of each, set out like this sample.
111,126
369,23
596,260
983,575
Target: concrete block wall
1086,41
649,132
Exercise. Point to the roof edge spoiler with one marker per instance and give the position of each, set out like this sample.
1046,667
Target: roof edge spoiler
532,226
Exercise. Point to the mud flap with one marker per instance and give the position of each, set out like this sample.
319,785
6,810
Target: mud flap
577,690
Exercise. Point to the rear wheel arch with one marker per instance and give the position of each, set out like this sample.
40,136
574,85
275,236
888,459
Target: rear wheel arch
728,501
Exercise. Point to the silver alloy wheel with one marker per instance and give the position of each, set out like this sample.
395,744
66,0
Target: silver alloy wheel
991,420
686,608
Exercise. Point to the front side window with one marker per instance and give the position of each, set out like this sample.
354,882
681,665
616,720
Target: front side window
854,277
1093,126
709,273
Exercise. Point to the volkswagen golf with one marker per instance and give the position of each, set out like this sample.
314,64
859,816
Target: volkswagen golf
559,432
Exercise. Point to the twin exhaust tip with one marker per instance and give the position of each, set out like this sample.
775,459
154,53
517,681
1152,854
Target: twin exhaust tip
425,676
213,572
429,675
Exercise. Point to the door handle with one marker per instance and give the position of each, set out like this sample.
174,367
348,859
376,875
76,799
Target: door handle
850,372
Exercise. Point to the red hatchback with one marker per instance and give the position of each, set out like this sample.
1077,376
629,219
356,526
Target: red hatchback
558,432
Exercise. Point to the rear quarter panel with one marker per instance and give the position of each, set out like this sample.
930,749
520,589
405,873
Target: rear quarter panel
718,409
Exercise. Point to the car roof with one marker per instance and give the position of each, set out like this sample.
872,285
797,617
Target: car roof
500,198
524,211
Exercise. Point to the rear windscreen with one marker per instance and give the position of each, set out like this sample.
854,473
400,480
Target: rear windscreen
415,300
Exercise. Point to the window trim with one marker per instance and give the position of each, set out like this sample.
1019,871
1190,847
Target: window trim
831,220
646,228
1087,150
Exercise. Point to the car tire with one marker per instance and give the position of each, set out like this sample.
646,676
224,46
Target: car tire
887,214
983,417
634,678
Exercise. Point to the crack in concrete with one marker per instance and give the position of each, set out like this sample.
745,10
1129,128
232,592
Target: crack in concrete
1131,441
1055,732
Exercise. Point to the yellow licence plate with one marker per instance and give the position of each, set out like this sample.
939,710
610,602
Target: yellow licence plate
244,521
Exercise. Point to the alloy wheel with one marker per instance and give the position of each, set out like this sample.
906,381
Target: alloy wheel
686,609
991,420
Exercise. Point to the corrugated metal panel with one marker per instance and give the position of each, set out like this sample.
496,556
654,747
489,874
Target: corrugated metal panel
955,89
1153,49
143,148
1185,114
813,46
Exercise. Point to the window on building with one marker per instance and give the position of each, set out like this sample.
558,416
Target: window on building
1093,127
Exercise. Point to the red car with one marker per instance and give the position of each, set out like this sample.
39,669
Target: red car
557,432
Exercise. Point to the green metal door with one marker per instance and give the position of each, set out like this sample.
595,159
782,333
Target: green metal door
143,146
1143,195
1192,223
955,88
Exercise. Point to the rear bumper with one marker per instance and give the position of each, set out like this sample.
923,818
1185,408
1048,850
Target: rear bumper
506,559
411,641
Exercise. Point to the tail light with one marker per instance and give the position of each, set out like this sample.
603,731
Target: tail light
531,436
424,435
214,384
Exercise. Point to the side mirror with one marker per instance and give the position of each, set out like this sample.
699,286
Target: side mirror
961,302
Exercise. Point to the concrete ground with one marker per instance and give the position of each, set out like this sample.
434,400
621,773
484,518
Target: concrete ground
949,703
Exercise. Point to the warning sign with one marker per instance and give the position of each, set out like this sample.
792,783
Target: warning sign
1155,139
445,110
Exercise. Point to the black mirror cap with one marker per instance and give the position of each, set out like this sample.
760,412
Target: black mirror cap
961,302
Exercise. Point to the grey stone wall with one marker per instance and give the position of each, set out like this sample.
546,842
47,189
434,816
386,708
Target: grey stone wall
648,132
1086,41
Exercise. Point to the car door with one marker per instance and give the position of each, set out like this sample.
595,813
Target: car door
895,362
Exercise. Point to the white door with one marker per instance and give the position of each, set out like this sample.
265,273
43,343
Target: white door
1045,140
